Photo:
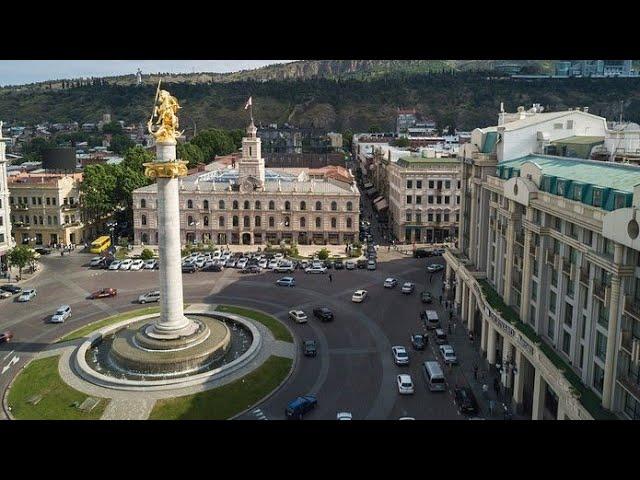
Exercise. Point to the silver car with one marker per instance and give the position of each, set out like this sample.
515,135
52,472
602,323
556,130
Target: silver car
149,297
62,313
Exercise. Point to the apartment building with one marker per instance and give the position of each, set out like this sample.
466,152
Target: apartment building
6,242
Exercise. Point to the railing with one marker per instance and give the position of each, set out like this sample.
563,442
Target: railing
20,206
632,306
67,207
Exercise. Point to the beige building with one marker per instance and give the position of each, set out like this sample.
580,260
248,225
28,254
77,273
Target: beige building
6,242
45,208
251,204
424,198
546,275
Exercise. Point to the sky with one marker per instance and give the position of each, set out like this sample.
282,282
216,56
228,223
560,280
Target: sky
17,72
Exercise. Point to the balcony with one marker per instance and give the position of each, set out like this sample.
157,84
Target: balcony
66,207
632,306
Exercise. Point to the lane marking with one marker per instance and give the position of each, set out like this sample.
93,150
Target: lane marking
7,355
13,361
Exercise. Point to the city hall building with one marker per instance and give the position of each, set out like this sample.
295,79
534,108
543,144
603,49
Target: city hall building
246,203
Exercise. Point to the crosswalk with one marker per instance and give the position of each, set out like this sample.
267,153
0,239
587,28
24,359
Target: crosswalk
259,414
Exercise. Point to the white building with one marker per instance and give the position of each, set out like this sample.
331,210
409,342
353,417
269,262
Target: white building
6,242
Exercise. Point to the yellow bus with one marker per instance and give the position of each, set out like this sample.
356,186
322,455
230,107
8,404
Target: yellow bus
100,244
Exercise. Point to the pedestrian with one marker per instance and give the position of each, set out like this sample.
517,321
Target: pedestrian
471,337
330,278
492,404
440,299
475,371
485,389
496,386
454,327
450,315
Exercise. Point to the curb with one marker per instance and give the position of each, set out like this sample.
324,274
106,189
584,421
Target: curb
5,395
37,273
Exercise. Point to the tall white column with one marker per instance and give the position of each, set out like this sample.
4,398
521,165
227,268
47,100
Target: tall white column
483,335
471,311
491,344
518,381
538,397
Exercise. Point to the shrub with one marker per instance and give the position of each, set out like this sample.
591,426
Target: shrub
146,254
323,254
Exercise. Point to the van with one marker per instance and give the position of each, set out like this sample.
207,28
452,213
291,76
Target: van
433,376
430,319
441,337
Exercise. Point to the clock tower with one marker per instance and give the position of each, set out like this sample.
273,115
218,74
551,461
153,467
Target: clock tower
251,165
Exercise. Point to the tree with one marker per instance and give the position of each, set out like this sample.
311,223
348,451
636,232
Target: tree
21,256
98,189
121,143
402,142
146,254
214,142
114,128
374,128
323,254
190,153
347,139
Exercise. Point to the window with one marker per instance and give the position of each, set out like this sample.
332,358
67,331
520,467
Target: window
447,199
246,205
272,221
349,206
287,205
569,124
408,216
33,200
235,205
143,203
408,198
189,203
257,221
445,217
418,183
235,221
409,183
430,199
438,199
287,221
221,205
418,217
318,222
557,126
430,217
205,204
534,291
318,206
551,328
48,219
55,220
246,221
303,222
303,205
598,377
439,185
349,222
258,205
447,184
431,183
53,201
334,206
566,342
205,220
221,221
601,346
568,315
418,199
143,219
189,220
272,205
334,223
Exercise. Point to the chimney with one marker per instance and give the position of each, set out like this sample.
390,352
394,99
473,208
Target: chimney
521,113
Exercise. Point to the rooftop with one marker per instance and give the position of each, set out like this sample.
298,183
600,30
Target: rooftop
425,161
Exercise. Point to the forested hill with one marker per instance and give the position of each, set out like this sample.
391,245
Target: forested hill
463,100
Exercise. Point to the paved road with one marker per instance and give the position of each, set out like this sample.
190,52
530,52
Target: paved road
353,371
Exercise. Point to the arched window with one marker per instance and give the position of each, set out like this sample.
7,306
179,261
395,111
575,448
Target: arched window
334,206
205,220
42,219
271,222
205,204
287,222
246,205
318,222
349,222
66,219
190,220
334,222
287,205
189,203
349,206
235,205
143,203
257,221
235,220
55,220
318,206
145,238
258,205
303,205
221,204
303,222
272,205
247,222
221,221
143,219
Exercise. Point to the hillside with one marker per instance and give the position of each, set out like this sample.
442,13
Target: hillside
465,100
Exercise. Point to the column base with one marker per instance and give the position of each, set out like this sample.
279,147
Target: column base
159,331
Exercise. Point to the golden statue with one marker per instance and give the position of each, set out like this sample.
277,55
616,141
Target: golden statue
165,108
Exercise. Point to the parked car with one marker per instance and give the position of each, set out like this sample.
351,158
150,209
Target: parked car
5,294
362,263
421,253
350,264
27,295
251,269
137,265
426,297
434,267
328,264
286,282
400,355
359,296
6,336
418,341
437,252
338,265
323,314
96,262
309,348
408,288
405,384
318,269
104,293
273,263
189,268
242,263
150,264
390,282
466,400
344,416
126,264
231,263
149,297
298,316
213,266
448,354
13,289
371,265
115,265
62,313
301,405
263,263
440,336
284,267
43,250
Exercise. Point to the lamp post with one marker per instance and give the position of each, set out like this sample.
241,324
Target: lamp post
112,226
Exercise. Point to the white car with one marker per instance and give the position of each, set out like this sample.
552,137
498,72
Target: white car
350,264
400,355
200,261
298,316
27,295
126,264
273,263
344,416
405,384
359,296
231,262
434,267
448,354
216,255
137,265
263,263
408,287
317,263
115,265
95,261
242,262
149,297
278,256
4,294
315,270
62,313
226,256
371,265
150,264
390,282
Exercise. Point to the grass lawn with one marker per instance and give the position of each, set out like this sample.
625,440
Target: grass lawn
226,401
87,329
41,378
280,332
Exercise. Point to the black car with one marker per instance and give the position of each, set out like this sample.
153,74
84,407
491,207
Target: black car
251,269
426,297
466,401
323,314
11,288
361,264
309,348
106,261
418,341
43,250
213,267
189,268
328,263
338,265
421,253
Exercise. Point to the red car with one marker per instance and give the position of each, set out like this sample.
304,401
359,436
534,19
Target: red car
104,293
6,336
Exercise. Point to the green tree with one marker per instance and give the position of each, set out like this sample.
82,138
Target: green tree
146,254
190,153
236,135
121,143
21,256
214,142
347,140
323,254
402,142
374,128
114,128
98,190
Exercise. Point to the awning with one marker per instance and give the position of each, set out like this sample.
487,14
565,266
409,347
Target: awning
368,185
381,205
378,199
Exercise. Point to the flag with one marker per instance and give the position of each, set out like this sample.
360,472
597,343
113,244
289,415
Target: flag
248,104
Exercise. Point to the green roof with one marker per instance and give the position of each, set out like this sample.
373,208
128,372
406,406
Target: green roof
490,140
603,174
